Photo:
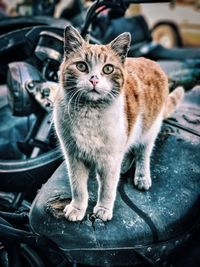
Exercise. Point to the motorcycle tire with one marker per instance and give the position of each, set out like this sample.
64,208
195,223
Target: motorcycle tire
28,175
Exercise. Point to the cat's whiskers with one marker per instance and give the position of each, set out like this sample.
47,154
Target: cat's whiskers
69,104
78,97
74,95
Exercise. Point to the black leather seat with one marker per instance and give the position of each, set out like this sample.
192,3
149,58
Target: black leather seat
145,224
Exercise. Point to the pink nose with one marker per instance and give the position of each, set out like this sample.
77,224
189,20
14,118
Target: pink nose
94,80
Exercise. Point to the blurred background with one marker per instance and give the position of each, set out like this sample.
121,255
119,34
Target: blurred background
174,24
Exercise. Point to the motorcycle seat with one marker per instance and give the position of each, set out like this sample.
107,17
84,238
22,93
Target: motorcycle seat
146,224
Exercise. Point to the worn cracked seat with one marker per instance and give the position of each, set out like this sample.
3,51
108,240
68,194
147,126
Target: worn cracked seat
149,224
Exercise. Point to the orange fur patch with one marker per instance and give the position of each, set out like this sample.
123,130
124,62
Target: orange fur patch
146,90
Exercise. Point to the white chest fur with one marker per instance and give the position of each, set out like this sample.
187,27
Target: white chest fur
99,132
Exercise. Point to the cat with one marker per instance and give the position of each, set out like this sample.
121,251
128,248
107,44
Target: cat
107,104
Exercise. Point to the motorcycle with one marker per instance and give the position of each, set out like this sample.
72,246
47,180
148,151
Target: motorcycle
29,237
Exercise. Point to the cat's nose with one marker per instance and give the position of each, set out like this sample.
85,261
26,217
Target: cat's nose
94,80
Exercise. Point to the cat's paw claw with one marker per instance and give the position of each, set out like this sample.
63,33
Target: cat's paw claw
73,214
142,182
102,213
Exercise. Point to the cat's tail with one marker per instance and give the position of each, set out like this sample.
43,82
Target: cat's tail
173,99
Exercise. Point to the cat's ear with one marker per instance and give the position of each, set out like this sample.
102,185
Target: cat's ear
72,40
121,45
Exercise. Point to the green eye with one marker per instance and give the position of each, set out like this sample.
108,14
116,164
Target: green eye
108,69
81,66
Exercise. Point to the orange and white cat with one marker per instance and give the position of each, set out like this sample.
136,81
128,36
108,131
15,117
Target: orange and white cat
106,105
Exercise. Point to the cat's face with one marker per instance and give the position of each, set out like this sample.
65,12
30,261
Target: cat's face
93,72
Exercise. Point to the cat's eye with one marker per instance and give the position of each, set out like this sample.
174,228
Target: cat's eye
81,66
108,69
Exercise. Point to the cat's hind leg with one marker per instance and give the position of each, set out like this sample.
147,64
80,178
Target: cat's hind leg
143,149
142,178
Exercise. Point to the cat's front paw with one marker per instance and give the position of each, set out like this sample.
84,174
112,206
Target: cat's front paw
73,214
103,213
142,182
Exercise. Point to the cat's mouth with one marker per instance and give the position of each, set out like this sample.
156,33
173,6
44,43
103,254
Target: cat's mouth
94,91
95,94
